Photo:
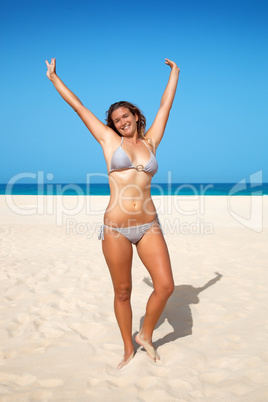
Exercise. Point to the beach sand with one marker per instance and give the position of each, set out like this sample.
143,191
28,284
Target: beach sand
58,334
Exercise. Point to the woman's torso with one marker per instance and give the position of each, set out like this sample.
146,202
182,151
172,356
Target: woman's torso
130,187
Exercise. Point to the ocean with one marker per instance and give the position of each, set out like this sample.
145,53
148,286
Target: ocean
100,189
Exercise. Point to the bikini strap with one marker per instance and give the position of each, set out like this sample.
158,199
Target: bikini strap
144,141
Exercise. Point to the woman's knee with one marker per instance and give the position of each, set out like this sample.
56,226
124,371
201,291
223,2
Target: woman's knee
165,288
122,293
169,288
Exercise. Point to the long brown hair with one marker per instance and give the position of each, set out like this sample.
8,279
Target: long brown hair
141,123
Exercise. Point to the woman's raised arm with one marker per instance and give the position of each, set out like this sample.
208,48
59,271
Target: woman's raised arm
156,131
98,129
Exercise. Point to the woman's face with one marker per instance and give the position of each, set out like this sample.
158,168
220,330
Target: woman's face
124,121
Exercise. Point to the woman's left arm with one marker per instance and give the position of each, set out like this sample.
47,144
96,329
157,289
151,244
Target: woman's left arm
156,131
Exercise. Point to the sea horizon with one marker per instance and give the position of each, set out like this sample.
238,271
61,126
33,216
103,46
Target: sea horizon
102,189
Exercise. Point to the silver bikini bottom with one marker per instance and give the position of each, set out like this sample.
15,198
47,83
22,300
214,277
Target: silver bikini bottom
132,233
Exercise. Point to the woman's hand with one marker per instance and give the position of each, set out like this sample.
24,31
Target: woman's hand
51,68
171,64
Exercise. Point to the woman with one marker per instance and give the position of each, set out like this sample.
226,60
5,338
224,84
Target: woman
130,217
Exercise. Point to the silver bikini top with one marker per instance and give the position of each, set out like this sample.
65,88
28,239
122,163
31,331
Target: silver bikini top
120,161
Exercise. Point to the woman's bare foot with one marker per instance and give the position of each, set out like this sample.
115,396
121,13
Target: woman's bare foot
126,360
148,346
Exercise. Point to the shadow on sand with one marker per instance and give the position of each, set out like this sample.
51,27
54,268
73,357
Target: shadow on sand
177,311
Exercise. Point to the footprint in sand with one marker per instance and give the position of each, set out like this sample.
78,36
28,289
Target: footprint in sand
41,395
214,377
145,380
27,379
51,383
92,381
241,389
180,384
10,354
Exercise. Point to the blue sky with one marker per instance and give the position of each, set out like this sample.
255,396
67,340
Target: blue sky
109,51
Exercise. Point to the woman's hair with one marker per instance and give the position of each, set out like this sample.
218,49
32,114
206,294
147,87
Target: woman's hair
141,123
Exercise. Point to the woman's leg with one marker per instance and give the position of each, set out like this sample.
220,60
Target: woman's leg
153,252
118,253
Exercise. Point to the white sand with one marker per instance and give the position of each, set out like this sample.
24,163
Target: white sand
58,335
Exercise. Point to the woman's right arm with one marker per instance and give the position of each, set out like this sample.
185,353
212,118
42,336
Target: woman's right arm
98,129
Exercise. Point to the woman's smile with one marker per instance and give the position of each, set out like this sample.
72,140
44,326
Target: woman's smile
126,127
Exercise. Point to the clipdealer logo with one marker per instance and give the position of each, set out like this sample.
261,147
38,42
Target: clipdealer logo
250,216
253,217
